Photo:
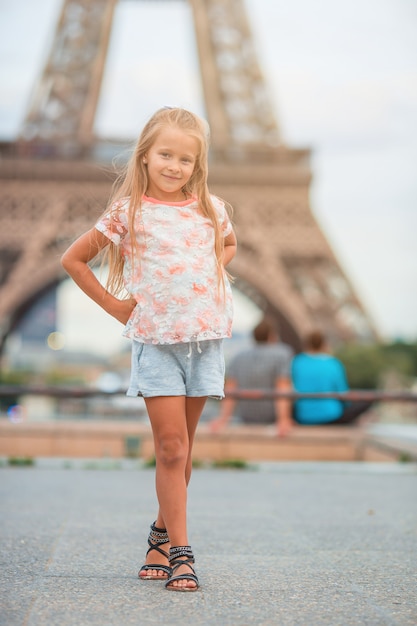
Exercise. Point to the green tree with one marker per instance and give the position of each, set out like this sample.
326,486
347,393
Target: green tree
367,363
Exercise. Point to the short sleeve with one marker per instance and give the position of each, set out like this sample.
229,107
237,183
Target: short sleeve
114,224
341,378
284,363
224,219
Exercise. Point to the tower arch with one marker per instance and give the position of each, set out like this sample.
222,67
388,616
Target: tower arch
52,189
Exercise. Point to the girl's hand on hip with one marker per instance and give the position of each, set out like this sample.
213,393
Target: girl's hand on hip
122,309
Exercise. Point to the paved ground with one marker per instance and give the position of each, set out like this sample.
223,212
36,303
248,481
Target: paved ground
285,544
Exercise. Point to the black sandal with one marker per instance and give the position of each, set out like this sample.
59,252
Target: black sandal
157,537
176,560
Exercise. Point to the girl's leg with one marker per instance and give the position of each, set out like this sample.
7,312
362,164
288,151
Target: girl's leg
193,408
174,421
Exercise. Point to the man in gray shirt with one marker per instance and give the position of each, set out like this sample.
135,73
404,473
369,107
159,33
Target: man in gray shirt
266,365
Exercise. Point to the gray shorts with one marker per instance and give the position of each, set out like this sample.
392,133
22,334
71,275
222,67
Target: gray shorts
193,369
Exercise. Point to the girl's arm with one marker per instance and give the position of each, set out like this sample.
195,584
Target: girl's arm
75,262
230,244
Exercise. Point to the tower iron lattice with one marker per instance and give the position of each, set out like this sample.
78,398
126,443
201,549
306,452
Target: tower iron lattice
54,190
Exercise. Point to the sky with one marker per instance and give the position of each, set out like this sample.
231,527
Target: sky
342,78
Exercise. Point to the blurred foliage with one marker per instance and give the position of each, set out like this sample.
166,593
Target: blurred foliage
367,364
23,377
12,377
15,377
21,461
62,377
59,375
239,464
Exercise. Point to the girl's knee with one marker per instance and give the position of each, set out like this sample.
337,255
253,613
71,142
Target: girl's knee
172,450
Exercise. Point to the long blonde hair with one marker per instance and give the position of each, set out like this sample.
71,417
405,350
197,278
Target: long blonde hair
132,183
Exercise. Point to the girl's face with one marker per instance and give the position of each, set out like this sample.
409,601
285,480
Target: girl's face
170,161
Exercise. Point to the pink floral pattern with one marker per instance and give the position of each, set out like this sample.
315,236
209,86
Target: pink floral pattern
174,280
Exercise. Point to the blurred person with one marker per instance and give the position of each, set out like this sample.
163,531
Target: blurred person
266,365
315,370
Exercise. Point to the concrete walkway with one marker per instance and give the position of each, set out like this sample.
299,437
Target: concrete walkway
283,544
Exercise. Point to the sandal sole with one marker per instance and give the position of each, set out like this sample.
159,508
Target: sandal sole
186,589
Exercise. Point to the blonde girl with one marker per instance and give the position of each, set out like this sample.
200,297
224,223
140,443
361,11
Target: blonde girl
168,241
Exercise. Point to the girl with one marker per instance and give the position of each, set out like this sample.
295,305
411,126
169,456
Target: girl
168,241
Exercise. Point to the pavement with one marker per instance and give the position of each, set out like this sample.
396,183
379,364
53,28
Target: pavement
398,432
276,544
397,440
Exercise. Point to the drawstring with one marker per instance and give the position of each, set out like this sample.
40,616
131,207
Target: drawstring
190,350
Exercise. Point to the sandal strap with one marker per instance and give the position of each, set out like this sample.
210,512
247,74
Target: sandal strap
183,577
176,560
180,551
157,537
156,548
163,568
177,563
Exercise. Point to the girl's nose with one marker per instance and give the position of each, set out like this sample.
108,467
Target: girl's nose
174,166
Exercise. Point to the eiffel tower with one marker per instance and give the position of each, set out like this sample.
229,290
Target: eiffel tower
52,189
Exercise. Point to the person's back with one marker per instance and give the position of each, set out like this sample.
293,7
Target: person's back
259,368
315,373
264,366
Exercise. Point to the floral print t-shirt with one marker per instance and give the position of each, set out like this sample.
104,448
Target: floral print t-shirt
174,275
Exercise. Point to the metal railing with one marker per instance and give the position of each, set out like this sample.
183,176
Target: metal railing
354,395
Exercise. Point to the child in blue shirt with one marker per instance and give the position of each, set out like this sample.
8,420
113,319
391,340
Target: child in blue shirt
317,371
